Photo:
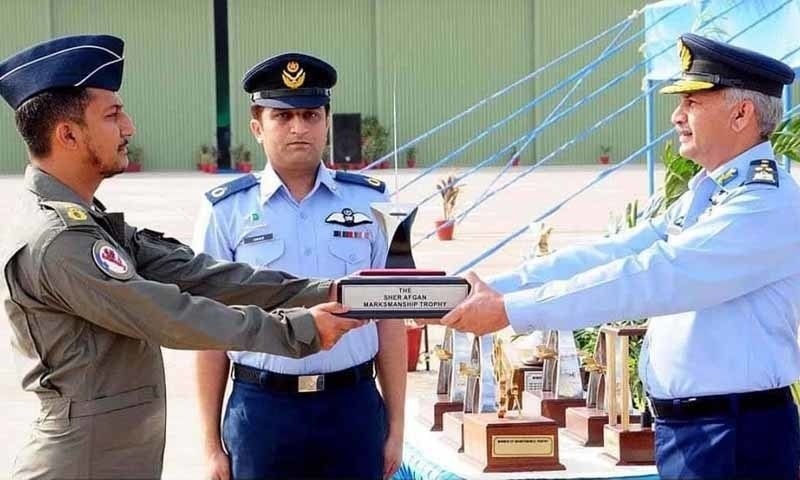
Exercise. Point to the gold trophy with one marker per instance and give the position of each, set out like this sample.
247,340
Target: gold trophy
626,442
478,393
506,440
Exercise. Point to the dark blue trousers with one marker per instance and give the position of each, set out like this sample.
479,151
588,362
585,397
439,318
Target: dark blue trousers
755,444
331,434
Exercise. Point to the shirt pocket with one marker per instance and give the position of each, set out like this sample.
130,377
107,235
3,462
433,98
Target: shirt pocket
259,247
352,254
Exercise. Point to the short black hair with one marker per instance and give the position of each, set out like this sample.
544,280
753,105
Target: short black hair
37,117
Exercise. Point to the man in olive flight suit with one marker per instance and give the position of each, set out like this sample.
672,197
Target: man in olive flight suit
91,299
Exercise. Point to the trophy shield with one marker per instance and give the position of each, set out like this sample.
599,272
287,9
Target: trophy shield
400,290
396,219
561,385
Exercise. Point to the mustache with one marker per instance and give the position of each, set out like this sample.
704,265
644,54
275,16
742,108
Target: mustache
123,144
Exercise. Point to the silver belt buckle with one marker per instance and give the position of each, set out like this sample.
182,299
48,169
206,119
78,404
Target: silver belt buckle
310,383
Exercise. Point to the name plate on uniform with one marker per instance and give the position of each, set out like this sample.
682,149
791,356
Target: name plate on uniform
400,293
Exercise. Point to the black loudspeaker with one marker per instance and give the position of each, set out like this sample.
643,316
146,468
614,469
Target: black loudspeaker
347,138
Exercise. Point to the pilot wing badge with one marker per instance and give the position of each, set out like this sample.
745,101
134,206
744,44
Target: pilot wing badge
348,218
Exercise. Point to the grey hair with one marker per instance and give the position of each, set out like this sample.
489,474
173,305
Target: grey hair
769,109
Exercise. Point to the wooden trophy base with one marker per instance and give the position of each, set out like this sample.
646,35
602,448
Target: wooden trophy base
586,425
453,428
629,447
431,411
511,444
547,404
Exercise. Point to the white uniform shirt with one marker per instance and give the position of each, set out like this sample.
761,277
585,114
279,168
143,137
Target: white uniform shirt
330,233
718,275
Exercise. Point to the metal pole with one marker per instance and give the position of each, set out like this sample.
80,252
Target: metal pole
649,122
787,105
394,132
222,84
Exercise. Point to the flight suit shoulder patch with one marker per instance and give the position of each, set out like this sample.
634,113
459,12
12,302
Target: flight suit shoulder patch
71,214
217,194
356,179
762,172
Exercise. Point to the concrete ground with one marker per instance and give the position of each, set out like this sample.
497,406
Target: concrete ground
169,202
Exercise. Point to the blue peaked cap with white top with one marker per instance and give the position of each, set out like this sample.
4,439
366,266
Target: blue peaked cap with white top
75,61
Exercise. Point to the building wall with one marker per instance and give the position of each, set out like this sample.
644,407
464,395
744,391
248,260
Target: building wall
168,87
438,58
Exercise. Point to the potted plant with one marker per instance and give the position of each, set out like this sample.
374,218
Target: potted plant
135,157
605,155
241,157
374,140
411,157
449,191
414,338
207,159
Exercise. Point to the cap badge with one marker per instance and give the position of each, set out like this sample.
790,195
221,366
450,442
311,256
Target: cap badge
686,56
293,76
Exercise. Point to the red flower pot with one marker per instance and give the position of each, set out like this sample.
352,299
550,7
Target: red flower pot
604,159
414,335
244,167
411,162
211,168
446,231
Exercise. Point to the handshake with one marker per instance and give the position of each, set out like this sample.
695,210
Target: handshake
465,304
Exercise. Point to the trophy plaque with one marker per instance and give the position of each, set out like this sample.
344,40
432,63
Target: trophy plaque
399,291
586,423
561,386
626,442
507,440
381,294
450,386
479,394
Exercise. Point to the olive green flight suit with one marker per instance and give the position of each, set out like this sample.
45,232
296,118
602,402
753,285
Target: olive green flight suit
91,300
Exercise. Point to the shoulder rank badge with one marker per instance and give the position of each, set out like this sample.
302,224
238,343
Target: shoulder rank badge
348,218
110,262
357,179
762,171
215,195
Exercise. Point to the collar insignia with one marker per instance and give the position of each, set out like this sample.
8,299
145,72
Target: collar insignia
725,177
77,214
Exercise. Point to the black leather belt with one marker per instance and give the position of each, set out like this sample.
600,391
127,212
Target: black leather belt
717,405
281,382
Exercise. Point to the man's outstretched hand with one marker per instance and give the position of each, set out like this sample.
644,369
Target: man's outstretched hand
482,312
332,327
